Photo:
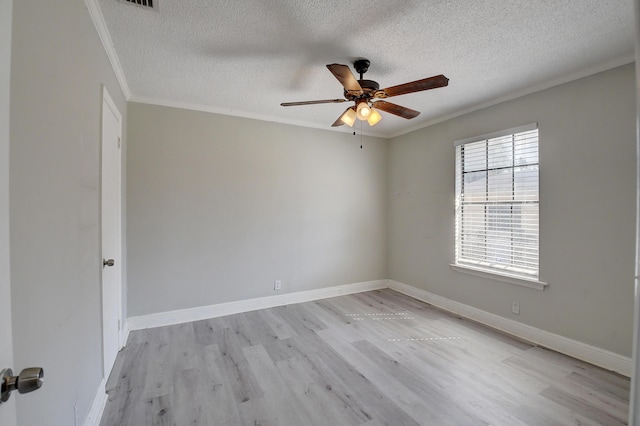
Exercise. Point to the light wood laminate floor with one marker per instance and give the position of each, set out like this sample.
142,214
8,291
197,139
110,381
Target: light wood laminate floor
374,358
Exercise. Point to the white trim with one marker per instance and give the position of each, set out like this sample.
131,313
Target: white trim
591,354
504,277
124,334
123,331
229,308
106,97
245,114
634,398
105,37
97,407
107,101
497,134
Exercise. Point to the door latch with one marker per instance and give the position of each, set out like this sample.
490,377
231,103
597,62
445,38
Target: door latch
108,262
30,379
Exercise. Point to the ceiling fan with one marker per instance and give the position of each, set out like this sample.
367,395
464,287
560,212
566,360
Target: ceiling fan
367,95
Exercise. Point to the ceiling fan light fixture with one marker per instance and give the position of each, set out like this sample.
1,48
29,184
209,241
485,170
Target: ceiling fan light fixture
363,110
349,117
374,117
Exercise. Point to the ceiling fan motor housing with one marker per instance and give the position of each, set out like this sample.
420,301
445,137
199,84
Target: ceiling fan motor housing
369,88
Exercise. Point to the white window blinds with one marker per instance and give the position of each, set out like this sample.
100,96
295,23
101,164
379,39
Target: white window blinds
497,202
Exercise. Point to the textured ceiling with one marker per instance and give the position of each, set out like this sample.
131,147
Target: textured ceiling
244,58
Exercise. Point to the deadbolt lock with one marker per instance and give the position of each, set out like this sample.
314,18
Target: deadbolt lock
30,379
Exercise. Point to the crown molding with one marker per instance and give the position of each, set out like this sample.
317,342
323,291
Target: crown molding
245,114
615,63
101,27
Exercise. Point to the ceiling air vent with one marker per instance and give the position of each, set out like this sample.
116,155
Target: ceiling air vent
147,4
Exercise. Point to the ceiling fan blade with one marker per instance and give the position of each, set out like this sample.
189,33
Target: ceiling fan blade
324,101
415,86
346,78
394,109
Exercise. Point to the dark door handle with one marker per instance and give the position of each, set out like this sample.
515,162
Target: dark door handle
108,262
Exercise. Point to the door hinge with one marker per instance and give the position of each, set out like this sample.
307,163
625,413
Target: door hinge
118,324
118,141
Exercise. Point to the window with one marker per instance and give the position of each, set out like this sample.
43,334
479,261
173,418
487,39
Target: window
497,202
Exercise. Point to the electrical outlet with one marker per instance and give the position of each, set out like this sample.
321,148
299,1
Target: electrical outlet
515,308
277,285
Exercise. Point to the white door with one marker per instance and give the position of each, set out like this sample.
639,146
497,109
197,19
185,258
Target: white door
111,231
7,409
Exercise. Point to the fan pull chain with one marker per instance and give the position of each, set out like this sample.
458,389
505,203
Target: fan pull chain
354,132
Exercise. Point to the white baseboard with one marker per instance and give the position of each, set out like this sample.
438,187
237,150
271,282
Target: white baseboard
591,354
97,407
582,351
222,309
124,334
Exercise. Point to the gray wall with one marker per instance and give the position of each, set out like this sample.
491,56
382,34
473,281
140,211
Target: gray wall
587,210
219,207
57,71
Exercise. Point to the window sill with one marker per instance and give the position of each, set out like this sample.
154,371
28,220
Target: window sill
484,273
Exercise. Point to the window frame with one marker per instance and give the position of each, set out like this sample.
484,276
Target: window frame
478,269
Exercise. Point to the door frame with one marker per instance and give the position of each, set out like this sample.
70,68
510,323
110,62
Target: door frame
8,414
108,103
634,397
